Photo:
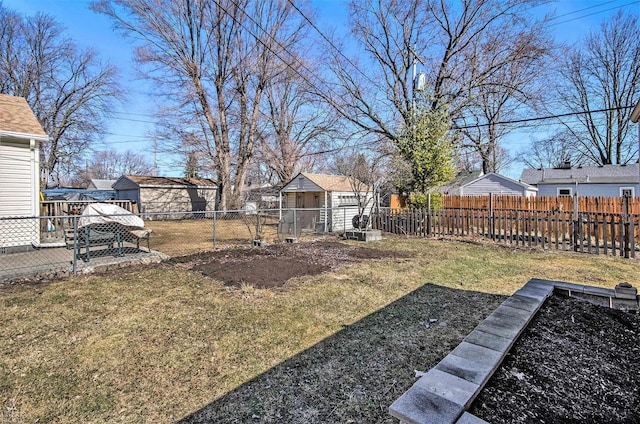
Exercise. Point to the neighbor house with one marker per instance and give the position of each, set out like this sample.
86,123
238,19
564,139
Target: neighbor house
97,184
461,178
20,136
167,194
262,196
331,200
493,183
603,180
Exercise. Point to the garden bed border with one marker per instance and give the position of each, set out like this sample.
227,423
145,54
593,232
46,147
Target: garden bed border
443,394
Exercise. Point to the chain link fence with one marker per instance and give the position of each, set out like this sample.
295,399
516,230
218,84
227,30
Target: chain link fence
66,244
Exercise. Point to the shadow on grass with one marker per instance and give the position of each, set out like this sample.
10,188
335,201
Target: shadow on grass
355,374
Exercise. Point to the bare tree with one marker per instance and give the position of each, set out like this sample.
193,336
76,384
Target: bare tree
552,152
366,176
110,165
461,46
215,58
505,92
604,73
70,91
297,126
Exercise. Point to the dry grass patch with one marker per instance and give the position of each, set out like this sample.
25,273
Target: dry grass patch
159,344
185,237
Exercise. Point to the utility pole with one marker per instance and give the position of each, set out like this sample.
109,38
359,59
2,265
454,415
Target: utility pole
155,157
635,118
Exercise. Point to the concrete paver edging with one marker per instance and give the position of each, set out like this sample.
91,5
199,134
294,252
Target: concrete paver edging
442,395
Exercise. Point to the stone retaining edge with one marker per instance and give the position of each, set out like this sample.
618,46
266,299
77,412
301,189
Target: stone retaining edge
443,394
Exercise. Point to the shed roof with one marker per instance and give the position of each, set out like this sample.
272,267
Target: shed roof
17,118
461,178
149,181
332,182
603,174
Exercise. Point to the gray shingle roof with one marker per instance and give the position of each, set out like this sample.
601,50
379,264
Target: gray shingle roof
462,178
99,184
586,174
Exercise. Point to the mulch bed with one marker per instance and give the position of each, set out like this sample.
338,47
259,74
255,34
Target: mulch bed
271,266
575,362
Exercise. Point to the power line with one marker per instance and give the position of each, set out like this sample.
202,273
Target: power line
541,118
582,10
594,13
328,40
302,65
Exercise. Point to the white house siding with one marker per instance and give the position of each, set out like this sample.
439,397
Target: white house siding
588,189
342,216
18,193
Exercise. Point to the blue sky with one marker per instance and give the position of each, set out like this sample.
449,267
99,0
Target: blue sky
132,124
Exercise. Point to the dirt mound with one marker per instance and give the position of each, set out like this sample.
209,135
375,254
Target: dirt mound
271,266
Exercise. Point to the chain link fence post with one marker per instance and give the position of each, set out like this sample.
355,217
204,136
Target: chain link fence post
214,230
295,223
75,245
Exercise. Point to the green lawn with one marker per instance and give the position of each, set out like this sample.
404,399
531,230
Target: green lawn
158,344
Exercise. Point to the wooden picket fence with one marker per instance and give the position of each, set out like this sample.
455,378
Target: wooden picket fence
588,232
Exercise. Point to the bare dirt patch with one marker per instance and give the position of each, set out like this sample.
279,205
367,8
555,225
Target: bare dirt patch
271,266
575,362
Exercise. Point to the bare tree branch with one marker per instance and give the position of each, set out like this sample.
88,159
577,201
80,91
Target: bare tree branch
69,90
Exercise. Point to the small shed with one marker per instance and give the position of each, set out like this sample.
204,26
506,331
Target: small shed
597,181
20,138
326,202
167,194
493,183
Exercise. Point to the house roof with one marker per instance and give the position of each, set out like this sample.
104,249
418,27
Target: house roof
102,184
635,113
331,182
493,175
461,178
148,181
17,118
586,174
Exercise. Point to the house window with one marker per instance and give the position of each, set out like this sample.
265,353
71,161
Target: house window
300,182
626,192
348,200
565,191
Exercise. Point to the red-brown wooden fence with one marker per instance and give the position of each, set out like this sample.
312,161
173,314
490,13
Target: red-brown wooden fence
597,225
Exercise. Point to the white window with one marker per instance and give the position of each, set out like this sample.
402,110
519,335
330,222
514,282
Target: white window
565,191
627,191
348,200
